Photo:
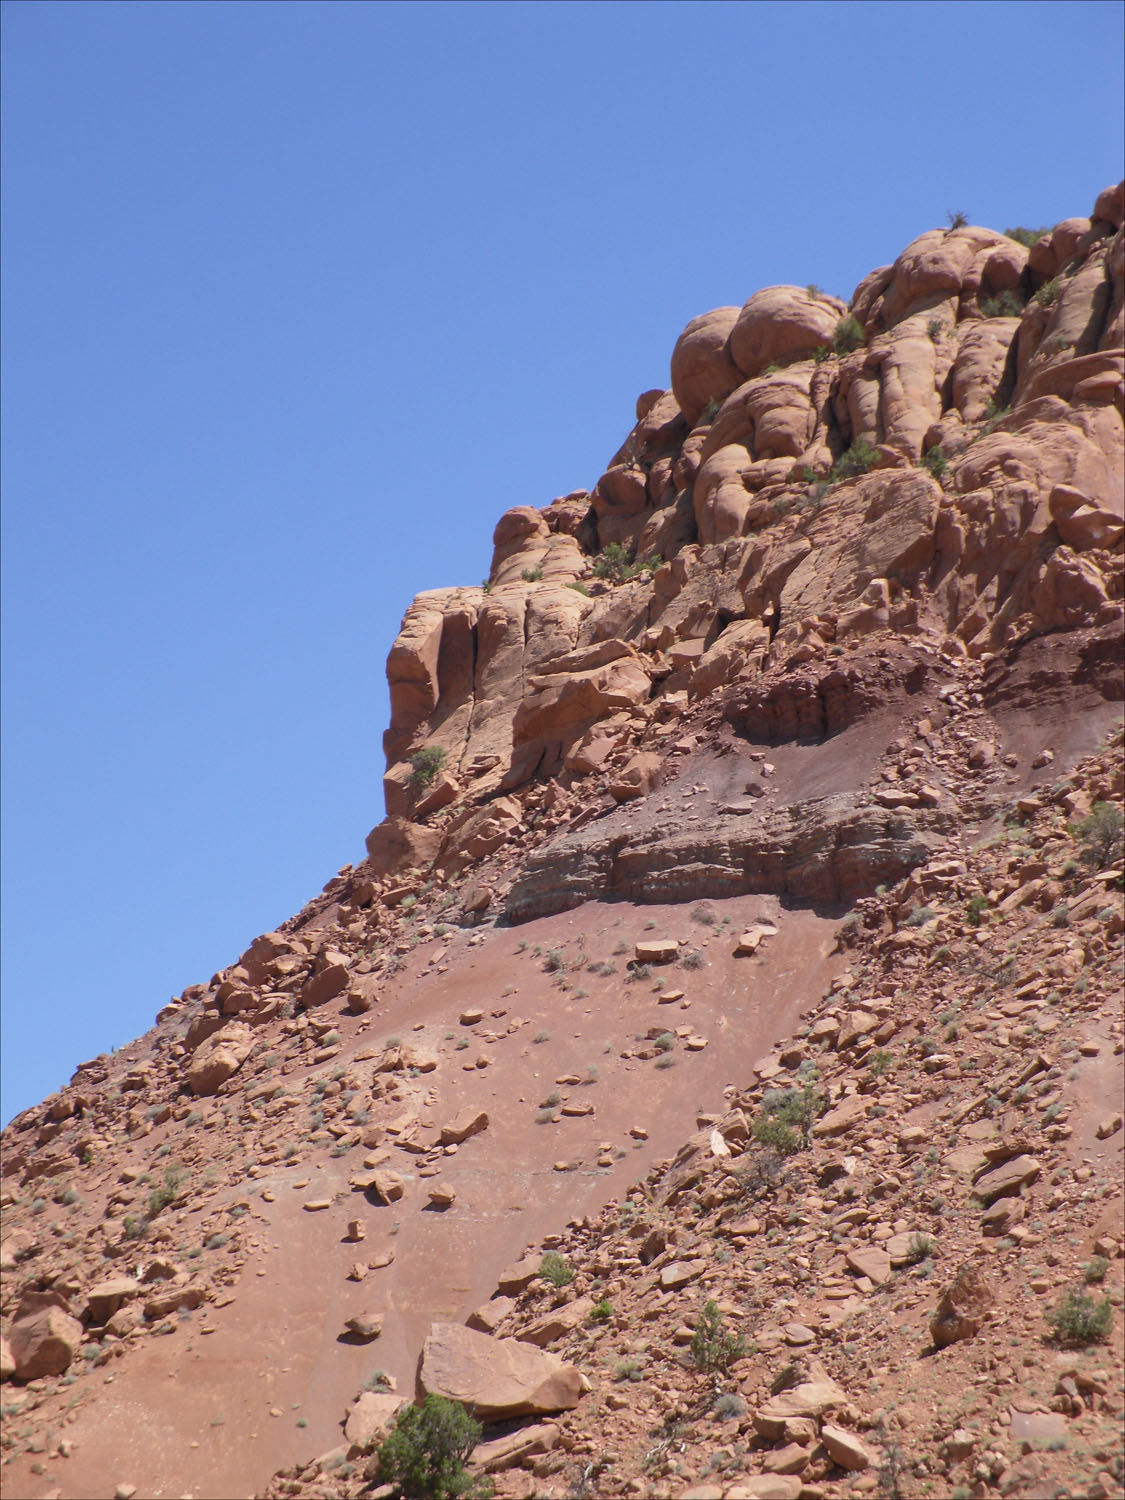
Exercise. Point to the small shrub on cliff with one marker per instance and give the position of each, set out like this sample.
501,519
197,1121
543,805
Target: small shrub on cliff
1101,833
935,462
426,1451
425,765
1002,305
848,336
1048,293
713,1347
860,457
554,1269
615,565
956,220
1082,1319
531,575
1024,236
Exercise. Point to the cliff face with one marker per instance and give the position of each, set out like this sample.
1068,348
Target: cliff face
782,770
938,463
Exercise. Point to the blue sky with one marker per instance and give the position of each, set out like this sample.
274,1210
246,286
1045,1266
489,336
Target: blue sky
299,298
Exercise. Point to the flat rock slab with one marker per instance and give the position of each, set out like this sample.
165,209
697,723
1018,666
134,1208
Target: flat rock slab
810,1399
1007,1178
370,1418
680,1273
497,1378
468,1123
870,1262
846,1114
658,951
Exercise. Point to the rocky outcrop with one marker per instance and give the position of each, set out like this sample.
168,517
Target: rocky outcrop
497,1378
824,852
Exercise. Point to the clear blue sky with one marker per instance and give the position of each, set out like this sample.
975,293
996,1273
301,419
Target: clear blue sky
299,298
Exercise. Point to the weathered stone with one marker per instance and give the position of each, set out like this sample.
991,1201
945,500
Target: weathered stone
871,1262
219,1057
497,1378
104,1299
553,1325
840,1119
512,1451
963,1308
364,1326
369,1420
1007,1178
468,1123
44,1342
488,1317
812,1398
846,1449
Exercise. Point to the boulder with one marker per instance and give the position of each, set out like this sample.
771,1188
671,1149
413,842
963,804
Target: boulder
846,1114
7,1360
364,1326
656,951
43,1342
963,1308
468,1123
330,980
497,1378
637,776
219,1058
780,324
846,1449
104,1299
809,1399
702,369
511,1451
369,1420
553,1325
1005,1179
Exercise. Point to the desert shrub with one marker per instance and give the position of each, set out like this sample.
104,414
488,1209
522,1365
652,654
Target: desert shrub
1060,916
881,1062
1101,833
956,220
135,1229
920,1248
531,575
822,353
935,461
555,962
1082,1319
713,1346
978,905
665,1060
920,916
425,765
848,335
627,1369
728,1406
614,564
1025,236
704,914
1002,305
541,1036
426,1450
860,457
786,1118
554,1269
1048,293
167,1192
601,1311
664,1042
692,959
579,588
1096,1270
640,971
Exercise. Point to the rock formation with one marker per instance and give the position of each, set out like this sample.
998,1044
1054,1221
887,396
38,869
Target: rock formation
711,1077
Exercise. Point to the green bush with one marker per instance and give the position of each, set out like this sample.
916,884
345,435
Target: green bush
848,335
425,765
786,1119
167,1193
1048,293
615,565
531,575
1002,305
426,1450
1101,833
1096,1270
601,1311
1082,1319
956,220
1024,236
713,1346
554,1269
978,905
860,457
935,461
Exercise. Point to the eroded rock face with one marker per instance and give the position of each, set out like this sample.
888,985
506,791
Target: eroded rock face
999,371
825,851
497,1378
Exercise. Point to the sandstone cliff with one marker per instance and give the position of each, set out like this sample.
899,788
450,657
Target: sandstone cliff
746,929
